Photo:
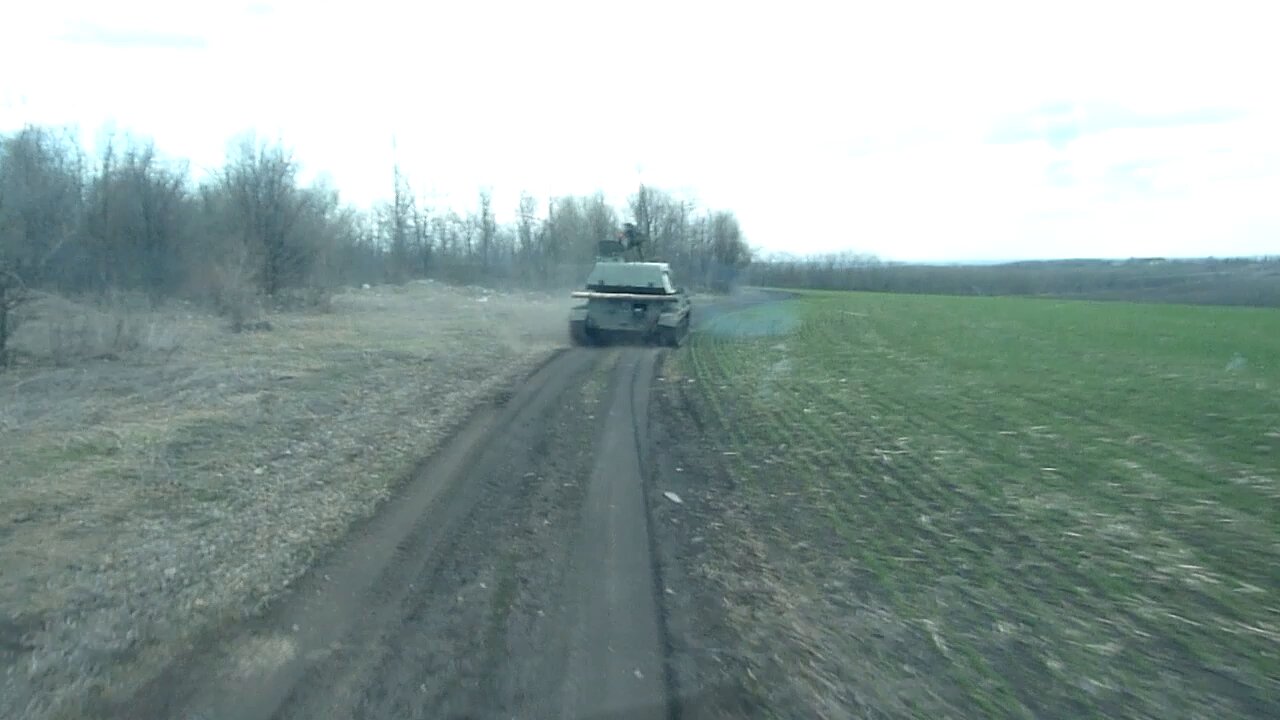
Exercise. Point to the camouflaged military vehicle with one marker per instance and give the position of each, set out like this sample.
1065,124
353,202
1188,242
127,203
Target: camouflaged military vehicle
628,299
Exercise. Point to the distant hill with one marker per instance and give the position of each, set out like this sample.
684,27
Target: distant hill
1207,281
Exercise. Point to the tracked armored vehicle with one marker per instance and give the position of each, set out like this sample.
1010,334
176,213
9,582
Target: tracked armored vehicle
629,300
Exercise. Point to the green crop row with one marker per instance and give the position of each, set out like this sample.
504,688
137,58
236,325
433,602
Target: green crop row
1073,507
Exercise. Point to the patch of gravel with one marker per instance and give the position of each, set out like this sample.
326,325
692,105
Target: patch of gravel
147,500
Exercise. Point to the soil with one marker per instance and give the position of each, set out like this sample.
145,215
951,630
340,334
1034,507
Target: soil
548,560
150,500
513,577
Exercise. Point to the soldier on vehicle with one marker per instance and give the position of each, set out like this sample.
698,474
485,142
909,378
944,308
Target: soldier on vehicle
632,239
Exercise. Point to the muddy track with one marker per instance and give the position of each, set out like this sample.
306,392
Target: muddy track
512,577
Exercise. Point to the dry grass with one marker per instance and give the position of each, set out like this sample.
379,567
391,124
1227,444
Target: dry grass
55,330
190,477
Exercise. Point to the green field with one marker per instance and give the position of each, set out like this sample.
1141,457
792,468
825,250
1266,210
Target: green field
1010,507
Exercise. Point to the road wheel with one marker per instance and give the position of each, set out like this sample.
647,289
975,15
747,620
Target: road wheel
673,336
578,333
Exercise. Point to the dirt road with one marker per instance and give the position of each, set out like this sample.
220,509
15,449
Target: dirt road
513,577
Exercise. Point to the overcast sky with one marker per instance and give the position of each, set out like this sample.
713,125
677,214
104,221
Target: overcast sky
915,131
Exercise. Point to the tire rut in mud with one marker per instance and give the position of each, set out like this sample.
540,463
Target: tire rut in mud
442,605
514,576
707,675
480,632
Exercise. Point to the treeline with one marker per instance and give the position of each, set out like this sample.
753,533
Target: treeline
554,244
250,233
1209,281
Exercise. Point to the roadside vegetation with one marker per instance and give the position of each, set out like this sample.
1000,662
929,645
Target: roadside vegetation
251,236
189,479
207,378
996,507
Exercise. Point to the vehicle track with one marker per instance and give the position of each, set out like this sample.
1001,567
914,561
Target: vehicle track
512,577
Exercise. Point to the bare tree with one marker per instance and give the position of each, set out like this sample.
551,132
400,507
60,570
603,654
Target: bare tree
525,222
261,184
398,221
139,220
487,229
13,294
642,210
423,241
566,239
250,232
41,182
601,223
98,219
40,199
729,252
336,235
444,229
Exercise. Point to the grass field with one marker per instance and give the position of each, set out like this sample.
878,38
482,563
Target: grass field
187,482
996,507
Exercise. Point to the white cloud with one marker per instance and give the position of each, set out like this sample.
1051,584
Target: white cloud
824,125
